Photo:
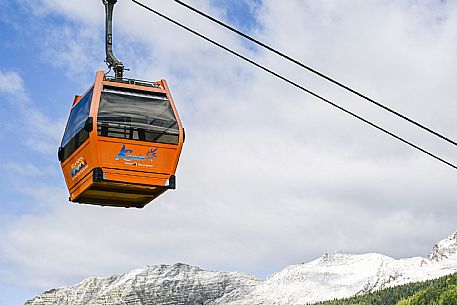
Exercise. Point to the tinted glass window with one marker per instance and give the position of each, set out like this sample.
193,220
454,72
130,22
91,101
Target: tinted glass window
139,116
75,135
78,117
74,143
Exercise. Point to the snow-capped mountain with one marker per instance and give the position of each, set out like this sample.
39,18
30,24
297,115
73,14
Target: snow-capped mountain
334,275
163,284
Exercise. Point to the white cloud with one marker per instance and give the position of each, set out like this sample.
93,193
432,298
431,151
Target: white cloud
83,10
12,83
27,169
40,133
268,176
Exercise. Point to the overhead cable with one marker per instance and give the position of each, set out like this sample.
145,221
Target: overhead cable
302,65
295,85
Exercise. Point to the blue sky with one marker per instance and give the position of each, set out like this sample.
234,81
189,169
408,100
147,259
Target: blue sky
43,92
239,13
20,52
342,186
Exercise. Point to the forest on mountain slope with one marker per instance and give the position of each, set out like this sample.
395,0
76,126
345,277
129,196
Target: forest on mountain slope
442,291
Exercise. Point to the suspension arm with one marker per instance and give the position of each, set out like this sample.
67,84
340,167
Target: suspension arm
111,60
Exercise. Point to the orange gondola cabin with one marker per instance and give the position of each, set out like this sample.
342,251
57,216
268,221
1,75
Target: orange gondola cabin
122,143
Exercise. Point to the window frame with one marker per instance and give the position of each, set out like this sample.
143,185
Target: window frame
131,130
78,135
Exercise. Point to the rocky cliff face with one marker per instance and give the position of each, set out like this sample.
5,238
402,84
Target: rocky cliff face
334,275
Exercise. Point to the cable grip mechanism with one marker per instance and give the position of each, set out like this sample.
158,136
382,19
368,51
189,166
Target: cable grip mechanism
111,60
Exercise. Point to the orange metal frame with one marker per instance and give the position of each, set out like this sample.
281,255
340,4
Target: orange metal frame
122,161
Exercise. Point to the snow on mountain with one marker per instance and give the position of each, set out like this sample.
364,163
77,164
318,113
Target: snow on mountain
334,275
445,248
163,284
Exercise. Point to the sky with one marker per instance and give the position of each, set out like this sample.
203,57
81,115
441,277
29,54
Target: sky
269,176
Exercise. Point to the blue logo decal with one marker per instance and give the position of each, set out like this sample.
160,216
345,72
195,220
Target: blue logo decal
127,155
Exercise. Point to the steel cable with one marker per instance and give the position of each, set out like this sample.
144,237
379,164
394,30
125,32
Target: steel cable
302,65
296,85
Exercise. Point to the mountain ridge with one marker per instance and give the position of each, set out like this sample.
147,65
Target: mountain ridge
333,275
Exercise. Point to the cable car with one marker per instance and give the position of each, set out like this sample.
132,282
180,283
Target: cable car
123,139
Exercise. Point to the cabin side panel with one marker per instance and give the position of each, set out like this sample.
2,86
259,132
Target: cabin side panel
137,156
